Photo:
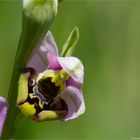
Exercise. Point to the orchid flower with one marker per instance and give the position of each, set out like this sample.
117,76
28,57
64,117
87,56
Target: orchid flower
50,85
3,112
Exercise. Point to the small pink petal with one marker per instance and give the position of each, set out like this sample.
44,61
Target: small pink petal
3,112
74,99
74,67
39,60
72,82
53,62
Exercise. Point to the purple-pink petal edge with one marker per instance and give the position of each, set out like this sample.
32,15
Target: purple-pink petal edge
3,112
75,102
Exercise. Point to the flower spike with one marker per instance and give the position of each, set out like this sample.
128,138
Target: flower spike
56,91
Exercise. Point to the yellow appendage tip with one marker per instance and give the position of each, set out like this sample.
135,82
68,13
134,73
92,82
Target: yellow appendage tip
27,109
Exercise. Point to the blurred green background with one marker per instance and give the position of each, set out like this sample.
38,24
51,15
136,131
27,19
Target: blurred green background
109,47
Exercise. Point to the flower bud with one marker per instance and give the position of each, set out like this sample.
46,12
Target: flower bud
40,10
37,18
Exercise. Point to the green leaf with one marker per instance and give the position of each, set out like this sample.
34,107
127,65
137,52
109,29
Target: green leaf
70,43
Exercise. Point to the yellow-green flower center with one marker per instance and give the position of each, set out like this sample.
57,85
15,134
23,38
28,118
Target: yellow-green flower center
42,95
51,83
48,89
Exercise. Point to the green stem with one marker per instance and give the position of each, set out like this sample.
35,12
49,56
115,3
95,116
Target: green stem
29,39
12,97
19,119
33,31
26,46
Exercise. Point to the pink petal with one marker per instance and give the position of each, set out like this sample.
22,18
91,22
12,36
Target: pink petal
72,82
53,62
49,44
74,99
39,60
3,112
74,67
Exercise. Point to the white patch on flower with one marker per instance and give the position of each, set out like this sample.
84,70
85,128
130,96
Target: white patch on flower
73,66
82,107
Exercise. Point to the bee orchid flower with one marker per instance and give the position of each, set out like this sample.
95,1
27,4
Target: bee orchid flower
50,87
3,112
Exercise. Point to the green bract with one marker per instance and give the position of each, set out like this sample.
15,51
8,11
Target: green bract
70,43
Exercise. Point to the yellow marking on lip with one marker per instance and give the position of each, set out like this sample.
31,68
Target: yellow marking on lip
50,115
22,88
32,96
28,109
